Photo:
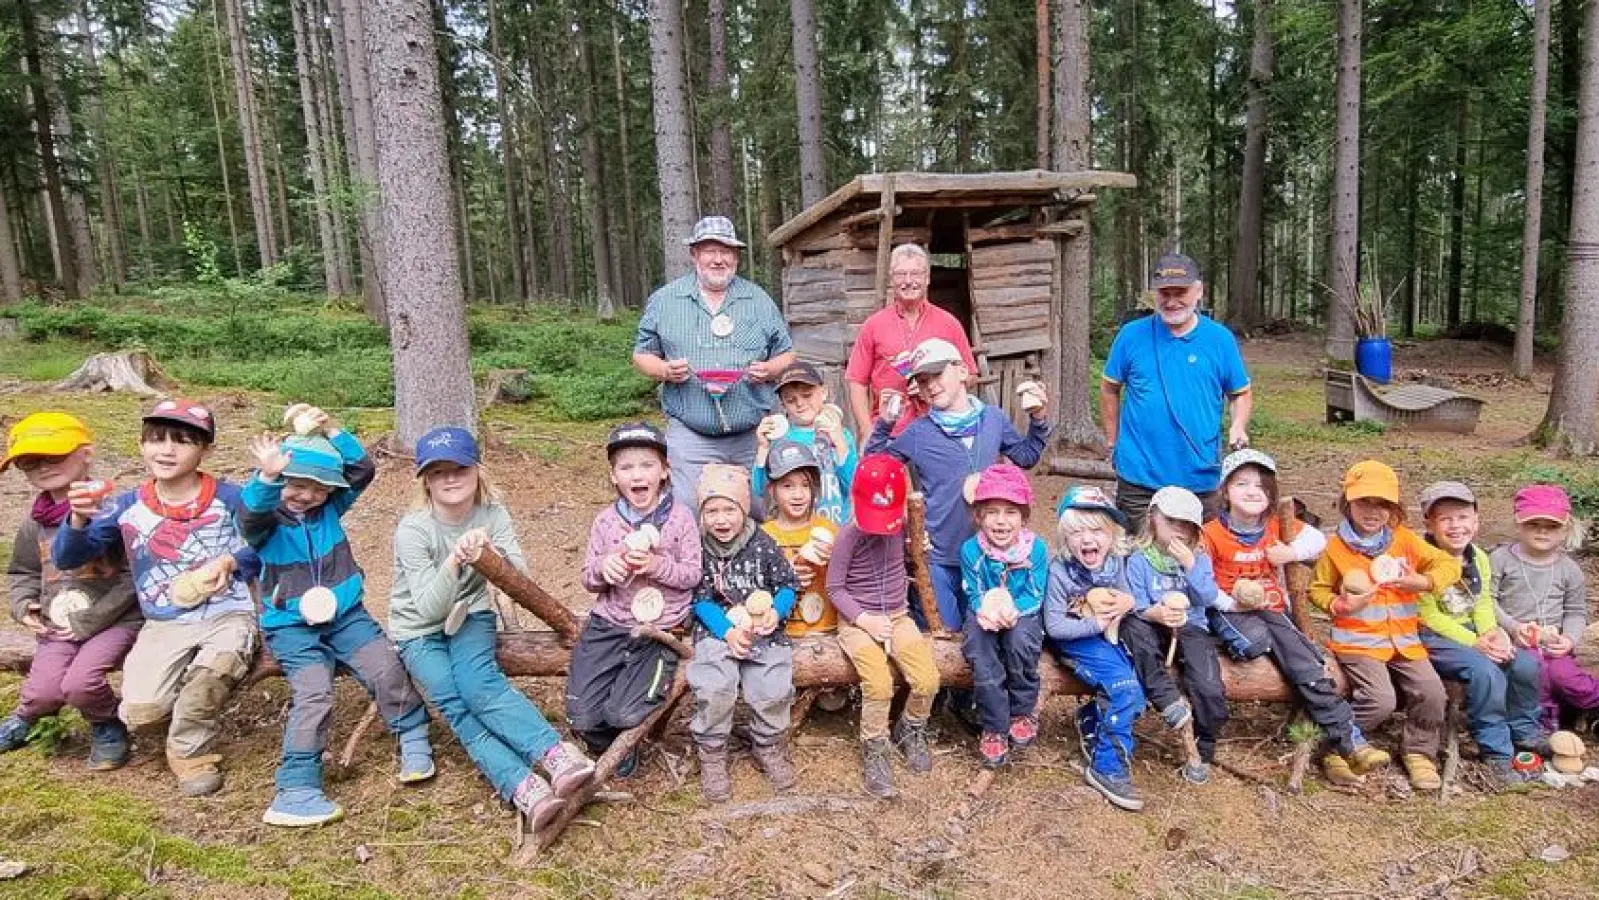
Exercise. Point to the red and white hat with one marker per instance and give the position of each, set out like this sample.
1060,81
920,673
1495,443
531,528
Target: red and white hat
878,493
183,411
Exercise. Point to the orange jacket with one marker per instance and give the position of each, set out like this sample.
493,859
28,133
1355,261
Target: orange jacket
1388,625
1233,559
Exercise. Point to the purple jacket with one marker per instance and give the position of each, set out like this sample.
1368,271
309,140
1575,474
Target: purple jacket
677,576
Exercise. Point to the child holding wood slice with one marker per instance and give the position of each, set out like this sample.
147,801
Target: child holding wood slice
642,564
809,420
804,535
1005,568
1084,605
443,620
1173,585
312,616
866,581
746,592
1370,580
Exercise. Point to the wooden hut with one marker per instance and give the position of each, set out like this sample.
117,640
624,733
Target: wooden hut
997,242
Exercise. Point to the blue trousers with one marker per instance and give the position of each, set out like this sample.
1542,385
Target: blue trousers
947,595
1004,669
1107,723
1501,699
308,654
503,732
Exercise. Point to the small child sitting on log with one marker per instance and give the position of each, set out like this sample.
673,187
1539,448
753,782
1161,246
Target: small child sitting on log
802,532
746,591
809,420
1004,571
642,563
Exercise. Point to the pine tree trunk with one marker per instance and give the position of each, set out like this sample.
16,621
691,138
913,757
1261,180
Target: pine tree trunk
350,49
808,95
1457,211
1041,63
274,162
1343,263
721,201
419,267
594,176
325,81
635,279
512,165
1243,285
313,148
227,183
1532,233
674,152
105,155
1073,152
74,173
141,208
556,183
10,264
250,133
49,163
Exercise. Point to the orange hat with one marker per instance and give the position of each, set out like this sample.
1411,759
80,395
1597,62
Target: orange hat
1370,478
45,434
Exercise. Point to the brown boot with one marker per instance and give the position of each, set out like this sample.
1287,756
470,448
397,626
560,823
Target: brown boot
773,760
197,775
715,783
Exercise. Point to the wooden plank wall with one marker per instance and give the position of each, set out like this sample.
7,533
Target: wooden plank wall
1011,285
827,296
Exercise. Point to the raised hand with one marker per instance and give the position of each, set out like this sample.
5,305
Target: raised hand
269,456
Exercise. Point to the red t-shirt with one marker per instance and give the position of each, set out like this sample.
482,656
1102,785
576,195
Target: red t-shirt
885,335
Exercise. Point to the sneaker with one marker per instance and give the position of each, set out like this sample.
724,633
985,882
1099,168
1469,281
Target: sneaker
1538,745
536,801
1023,731
1196,772
992,749
773,760
1338,771
877,771
108,745
910,735
1365,758
1422,771
715,782
1504,777
302,808
568,769
13,733
1118,790
416,756
1177,714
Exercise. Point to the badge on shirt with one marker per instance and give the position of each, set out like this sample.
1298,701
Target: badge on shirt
722,325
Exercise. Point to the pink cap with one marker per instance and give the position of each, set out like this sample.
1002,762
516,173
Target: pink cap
1003,481
1542,501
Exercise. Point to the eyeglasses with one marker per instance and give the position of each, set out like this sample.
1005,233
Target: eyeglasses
35,463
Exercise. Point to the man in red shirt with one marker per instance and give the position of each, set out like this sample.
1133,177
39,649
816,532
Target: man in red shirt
907,320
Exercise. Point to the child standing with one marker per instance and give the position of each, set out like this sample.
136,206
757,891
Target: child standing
810,423
1004,569
1369,581
617,679
312,617
866,581
1094,561
84,622
456,517
1173,587
796,525
1543,597
191,569
746,592
1466,644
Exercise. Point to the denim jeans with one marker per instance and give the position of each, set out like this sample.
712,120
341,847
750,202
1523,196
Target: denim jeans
503,732
1501,698
1004,669
1107,723
308,654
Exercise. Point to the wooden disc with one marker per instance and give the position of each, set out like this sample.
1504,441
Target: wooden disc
457,617
318,605
648,605
811,608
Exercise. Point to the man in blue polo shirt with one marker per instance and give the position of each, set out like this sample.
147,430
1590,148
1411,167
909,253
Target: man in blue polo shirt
1167,383
714,341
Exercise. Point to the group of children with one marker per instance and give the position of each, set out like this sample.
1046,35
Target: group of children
184,574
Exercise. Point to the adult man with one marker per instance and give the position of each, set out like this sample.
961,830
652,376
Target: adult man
907,320
714,341
1166,384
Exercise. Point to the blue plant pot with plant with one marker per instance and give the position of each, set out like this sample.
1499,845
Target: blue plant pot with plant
1374,358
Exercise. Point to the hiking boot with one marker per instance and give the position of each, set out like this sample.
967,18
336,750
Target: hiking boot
416,756
1538,745
1177,714
198,776
1504,777
1422,772
1117,789
302,808
1023,731
108,745
1365,758
715,783
773,760
877,771
910,735
1196,772
992,749
569,770
13,733
1338,771
536,801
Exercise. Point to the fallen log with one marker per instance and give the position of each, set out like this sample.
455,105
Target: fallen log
1075,467
526,593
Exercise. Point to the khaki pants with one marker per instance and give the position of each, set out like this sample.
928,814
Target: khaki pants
912,655
186,670
1377,687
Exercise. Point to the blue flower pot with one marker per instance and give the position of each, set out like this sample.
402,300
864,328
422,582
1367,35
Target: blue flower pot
1374,358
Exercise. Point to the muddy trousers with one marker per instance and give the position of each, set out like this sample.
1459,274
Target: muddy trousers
1147,643
186,670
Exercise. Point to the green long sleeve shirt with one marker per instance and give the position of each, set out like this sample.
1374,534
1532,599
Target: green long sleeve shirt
1455,613
425,586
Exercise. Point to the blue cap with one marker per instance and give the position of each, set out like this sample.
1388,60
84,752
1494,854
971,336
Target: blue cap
1091,499
313,457
447,443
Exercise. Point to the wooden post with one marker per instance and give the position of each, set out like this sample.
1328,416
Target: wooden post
921,569
991,393
885,237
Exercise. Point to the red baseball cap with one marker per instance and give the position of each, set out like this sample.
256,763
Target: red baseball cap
878,494
183,411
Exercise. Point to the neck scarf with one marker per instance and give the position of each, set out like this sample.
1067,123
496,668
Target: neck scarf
1249,537
1015,556
1162,563
1109,573
656,516
48,512
959,425
1370,546
726,550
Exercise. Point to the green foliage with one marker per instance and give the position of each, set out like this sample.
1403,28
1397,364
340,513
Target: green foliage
50,732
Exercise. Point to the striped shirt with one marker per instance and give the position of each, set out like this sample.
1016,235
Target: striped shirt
677,325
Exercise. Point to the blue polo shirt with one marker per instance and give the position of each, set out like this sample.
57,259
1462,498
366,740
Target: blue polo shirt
677,325
1174,394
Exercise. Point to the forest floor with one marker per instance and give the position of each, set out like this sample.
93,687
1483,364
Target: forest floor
1039,832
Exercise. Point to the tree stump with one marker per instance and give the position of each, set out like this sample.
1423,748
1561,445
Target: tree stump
125,370
507,386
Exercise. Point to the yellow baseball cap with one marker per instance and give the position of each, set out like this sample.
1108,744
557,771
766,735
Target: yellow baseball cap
45,434
1370,478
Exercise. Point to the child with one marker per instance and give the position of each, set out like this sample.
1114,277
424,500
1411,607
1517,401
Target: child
1368,581
1173,586
617,679
1466,644
312,616
738,643
804,396
1094,558
796,525
1543,597
84,621
1004,569
457,516
1248,543
866,581
191,569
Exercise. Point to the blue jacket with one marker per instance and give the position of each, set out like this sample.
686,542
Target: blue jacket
1069,582
941,463
1147,584
981,572
298,553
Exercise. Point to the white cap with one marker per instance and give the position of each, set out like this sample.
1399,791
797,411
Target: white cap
932,355
1178,504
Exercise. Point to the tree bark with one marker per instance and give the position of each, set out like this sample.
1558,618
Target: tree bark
1243,286
1457,211
808,97
634,278
313,148
351,49
74,171
1343,263
1041,64
325,80
222,166
1532,224
1073,152
594,176
10,263
48,161
418,263
105,155
674,151
250,132
721,131
512,163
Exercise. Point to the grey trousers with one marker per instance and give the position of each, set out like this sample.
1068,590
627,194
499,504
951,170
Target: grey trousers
767,679
688,451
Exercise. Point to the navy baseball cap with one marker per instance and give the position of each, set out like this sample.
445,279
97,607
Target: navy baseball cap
1173,270
448,443
634,434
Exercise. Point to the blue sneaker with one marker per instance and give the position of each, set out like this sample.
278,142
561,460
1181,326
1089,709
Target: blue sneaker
1118,790
416,756
108,745
302,808
13,733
